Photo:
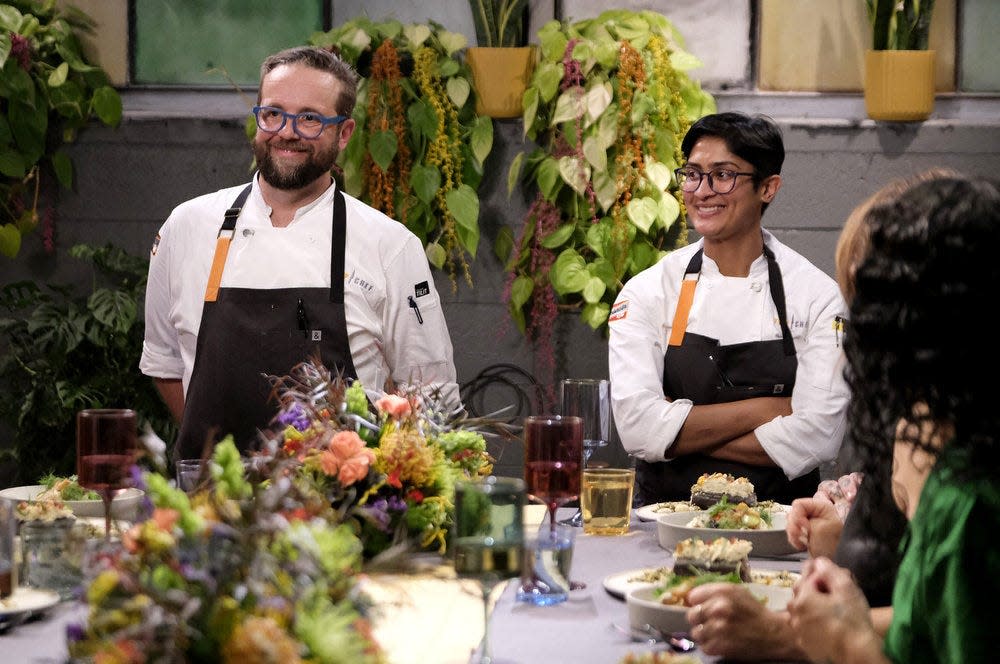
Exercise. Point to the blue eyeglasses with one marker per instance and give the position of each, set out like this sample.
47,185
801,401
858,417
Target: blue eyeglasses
306,125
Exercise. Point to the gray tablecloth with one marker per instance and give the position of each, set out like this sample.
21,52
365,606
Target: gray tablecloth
578,630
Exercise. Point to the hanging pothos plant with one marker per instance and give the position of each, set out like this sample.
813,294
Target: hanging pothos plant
48,93
418,151
608,106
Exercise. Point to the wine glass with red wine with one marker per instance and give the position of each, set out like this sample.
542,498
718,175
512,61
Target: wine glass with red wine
105,451
553,455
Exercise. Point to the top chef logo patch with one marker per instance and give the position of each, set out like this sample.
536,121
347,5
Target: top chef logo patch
619,311
421,289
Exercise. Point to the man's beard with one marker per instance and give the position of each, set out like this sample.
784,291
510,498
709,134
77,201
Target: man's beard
317,165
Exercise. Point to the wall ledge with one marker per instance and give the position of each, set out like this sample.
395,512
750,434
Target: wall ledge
806,108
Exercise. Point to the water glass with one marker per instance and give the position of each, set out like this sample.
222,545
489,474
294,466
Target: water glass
545,568
51,555
188,474
487,538
606,500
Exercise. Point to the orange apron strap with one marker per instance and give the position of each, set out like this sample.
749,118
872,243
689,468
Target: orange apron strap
218,263
222,244
683,308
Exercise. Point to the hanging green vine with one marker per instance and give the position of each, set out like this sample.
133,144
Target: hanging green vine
418,151
608,106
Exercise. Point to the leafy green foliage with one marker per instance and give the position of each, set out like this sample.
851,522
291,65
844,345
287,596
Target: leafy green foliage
430,146
900,25
64,350
499,22
607,206
48,92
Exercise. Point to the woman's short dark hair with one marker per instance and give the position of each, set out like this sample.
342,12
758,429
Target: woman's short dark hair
756,139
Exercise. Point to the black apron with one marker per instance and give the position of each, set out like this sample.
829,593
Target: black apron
248,333
698,368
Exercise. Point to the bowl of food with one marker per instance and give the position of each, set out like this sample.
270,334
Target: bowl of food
763,526
80,501
646,605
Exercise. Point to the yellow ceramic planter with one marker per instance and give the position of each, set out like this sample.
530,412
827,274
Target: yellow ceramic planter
899,85
500,76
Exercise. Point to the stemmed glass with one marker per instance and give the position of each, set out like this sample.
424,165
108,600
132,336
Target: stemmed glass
590,400
105,450
488,538
553,452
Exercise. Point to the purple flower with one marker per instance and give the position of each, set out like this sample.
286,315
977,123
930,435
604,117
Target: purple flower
74,632
296,416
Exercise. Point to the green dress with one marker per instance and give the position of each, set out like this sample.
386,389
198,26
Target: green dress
948,587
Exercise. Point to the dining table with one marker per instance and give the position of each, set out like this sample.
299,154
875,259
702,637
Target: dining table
442,621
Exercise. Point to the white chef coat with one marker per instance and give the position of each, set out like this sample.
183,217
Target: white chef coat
385,265
732,310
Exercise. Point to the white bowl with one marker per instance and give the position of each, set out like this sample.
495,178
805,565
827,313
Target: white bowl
672,528
644,608
124,506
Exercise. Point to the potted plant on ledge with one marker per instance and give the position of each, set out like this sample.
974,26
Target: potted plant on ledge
502,63
899,68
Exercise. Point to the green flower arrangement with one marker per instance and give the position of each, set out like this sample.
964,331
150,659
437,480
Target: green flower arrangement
260,562
233,573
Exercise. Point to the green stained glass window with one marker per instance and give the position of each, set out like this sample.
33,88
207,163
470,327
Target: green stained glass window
215,42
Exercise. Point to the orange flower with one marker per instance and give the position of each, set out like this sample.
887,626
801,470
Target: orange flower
394,406
347,458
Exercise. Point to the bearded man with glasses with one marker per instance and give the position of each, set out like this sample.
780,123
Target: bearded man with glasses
252,280
725,356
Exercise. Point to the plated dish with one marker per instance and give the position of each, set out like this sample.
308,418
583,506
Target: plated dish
125,504
27,600
644,608
620,583
769,541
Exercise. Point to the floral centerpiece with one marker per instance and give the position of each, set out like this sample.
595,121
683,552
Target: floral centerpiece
260,563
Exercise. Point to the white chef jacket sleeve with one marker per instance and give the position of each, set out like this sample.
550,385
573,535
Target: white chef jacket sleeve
813,433
417,344
161,355
646,422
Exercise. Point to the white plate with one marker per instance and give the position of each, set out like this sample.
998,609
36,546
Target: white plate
650,512
645,609
125,504
672,528
618,585
27,600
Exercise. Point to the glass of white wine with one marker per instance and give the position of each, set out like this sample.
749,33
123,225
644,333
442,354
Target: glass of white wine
488,538
590,400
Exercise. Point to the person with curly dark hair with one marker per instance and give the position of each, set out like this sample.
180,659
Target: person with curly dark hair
930,272
853,522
